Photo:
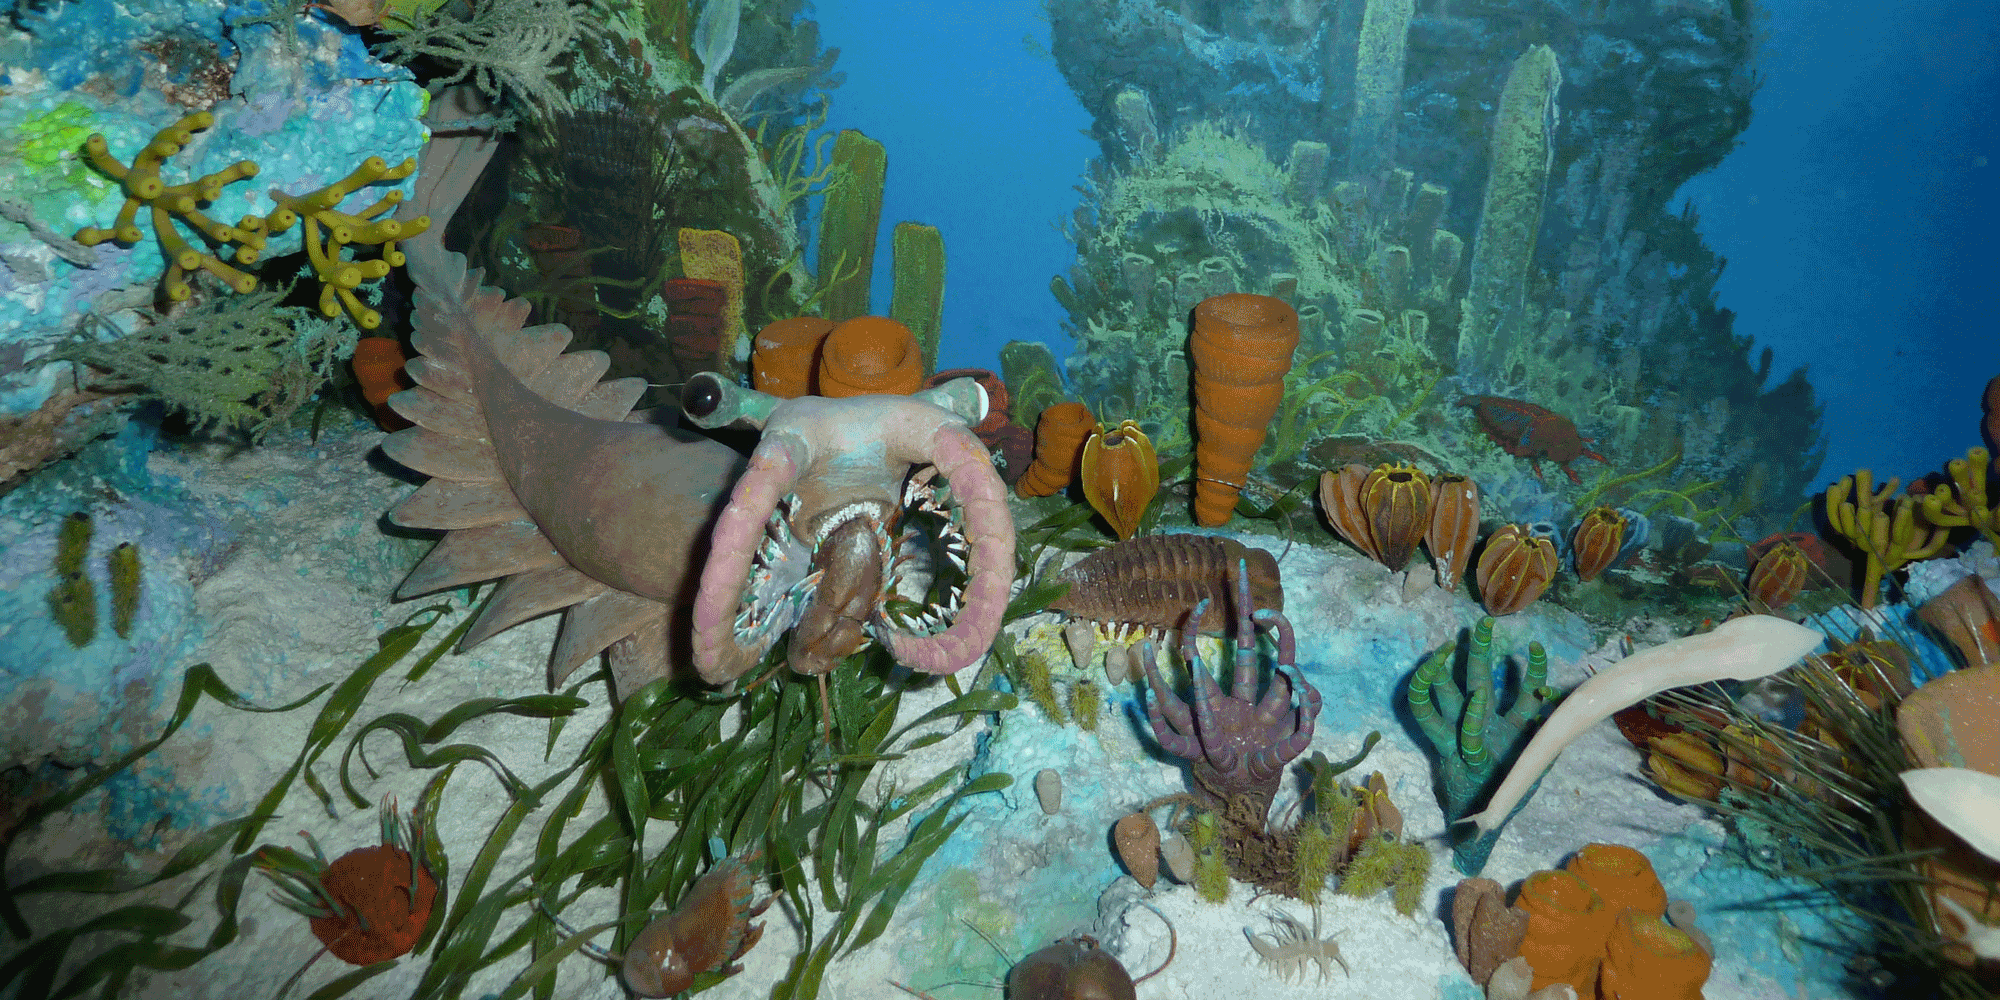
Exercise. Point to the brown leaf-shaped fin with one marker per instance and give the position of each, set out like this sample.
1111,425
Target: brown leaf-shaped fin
476,554
528,352
434,454
449,417
531,595
590,627
443,504
612,400
567,379
445,380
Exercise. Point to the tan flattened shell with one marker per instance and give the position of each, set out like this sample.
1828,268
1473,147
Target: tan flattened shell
1048,789
1081,638
1454,527
1179,856
1967,614
1138,843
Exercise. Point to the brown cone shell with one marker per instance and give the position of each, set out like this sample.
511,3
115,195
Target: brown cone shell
1138,843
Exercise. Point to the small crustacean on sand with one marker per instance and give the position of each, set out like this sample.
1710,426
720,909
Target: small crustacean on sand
1525,430
1292,946
707,932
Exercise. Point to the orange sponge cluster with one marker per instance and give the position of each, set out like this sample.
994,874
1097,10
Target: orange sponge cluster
1598,925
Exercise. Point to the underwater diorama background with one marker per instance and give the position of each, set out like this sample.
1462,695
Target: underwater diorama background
1260,299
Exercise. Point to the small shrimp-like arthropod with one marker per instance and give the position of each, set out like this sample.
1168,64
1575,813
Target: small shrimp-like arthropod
707,932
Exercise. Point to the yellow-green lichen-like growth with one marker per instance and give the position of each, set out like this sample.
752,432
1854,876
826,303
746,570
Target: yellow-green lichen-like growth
328,231
123,565
144,189
73,602
1503,251
1085,702
1387,864
713,255
1211,872
1888,534
1965,503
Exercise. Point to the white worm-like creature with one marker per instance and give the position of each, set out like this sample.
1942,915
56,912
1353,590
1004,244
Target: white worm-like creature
1740,649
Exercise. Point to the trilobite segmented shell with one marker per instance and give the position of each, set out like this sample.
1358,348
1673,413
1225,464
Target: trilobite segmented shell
1155,580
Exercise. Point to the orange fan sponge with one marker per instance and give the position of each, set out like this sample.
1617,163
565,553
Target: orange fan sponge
784,359
1622,876
378,369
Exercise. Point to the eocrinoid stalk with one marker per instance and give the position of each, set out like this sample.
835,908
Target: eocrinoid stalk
1238,743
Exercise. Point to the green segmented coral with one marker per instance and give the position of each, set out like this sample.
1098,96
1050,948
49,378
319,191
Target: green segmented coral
1472,748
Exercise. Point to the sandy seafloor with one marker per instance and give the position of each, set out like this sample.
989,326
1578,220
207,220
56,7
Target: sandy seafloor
297,599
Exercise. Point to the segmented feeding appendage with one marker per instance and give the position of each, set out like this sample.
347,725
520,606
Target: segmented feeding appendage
1154,580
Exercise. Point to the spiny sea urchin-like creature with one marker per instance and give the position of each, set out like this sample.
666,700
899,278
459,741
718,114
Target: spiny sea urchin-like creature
368,905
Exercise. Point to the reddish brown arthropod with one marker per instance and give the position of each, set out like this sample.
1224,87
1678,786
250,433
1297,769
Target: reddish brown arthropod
707,932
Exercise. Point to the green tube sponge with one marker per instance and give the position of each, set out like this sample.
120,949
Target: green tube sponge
847,224
1503,251
123,563
917,276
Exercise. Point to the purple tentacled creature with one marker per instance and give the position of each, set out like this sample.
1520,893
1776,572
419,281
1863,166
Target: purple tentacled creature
1237,743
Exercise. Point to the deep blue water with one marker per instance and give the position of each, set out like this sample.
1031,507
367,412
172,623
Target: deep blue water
1858,215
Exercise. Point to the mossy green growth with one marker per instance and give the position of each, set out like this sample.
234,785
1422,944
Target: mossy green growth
1318,851
1211,872
1085,702
123,563
1385,864
1040,687
73,602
